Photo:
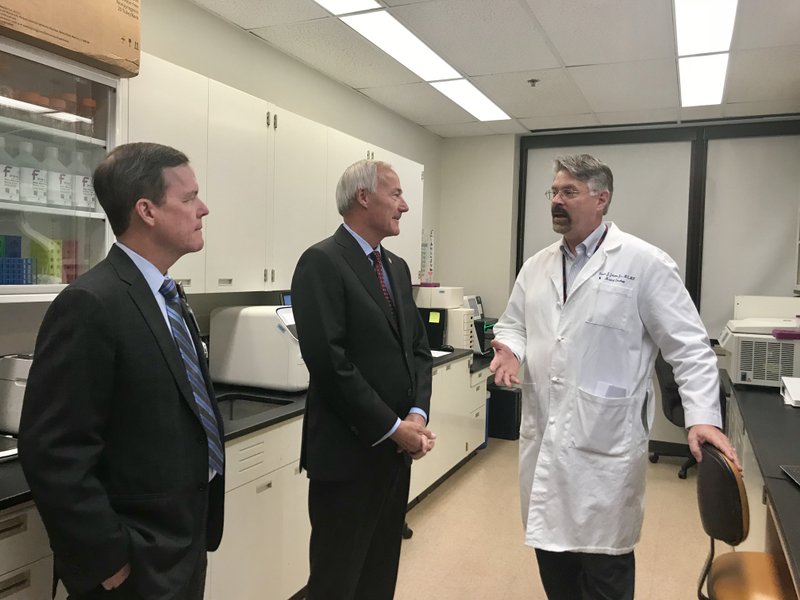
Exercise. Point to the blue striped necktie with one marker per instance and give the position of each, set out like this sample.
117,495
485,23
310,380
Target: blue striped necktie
216,457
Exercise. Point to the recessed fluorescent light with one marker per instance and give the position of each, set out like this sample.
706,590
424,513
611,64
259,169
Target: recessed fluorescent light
343,7
68,117
20,105
468,97
383,30
702,79
704,26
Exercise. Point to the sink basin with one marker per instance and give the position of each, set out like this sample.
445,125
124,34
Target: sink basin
235,406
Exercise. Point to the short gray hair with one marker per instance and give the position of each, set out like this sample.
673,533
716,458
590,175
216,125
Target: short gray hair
586,168
362,175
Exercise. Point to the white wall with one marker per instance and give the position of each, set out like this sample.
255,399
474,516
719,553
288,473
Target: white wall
183,33
476,237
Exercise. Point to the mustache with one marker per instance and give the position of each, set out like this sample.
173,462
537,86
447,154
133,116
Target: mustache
558,211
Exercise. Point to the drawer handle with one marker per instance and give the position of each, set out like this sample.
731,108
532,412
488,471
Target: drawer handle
13,526
226,281
184,282
264,487
15,584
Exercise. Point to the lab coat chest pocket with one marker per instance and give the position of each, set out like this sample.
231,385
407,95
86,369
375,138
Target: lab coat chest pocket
602,425
612,306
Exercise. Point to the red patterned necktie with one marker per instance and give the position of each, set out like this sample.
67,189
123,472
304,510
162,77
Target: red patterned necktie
376,259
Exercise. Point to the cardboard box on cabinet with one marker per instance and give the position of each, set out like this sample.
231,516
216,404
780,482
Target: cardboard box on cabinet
100,33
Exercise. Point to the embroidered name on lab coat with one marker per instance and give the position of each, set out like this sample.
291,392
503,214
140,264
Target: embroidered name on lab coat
615,277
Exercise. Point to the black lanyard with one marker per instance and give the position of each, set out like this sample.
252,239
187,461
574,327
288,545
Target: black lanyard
564,262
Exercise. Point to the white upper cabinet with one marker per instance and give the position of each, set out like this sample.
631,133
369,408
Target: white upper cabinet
268,176
237,193
168,104
299,192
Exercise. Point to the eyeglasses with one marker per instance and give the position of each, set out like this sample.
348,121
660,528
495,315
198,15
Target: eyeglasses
566,193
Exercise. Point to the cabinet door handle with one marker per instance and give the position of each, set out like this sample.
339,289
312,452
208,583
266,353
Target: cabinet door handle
264,487
14,584
13,526
273,275
184,282
225,281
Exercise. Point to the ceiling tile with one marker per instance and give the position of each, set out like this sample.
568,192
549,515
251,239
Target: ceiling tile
332,47
479,37
560,122
605,31
628,86
764,74
701,113
631,117
419,102
554,94
253,14
507,126
764,107
461,129
766,23
601,62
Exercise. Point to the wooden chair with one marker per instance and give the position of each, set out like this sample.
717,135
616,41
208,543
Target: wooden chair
725,514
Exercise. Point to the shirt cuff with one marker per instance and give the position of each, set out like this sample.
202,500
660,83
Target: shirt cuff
419,411
391,431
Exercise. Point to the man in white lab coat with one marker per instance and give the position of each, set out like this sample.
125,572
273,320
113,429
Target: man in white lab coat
587,316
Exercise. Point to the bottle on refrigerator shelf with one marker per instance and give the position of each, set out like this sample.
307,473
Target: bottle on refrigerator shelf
32,176
9,175
59,183
82,192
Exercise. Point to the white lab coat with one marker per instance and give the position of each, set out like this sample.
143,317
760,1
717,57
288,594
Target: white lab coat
587,390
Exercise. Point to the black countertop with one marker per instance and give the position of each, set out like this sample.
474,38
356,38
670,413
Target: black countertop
14,489
773,429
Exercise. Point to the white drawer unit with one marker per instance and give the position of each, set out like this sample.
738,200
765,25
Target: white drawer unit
251,456
23,539
479,376
31,582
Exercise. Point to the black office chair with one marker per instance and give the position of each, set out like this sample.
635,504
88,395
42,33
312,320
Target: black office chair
725,514
673,410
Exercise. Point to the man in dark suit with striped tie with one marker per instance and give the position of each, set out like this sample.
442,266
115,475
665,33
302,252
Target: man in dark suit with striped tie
367,354
120,436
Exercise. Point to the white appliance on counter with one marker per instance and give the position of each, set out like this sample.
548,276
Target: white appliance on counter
14,370
438,297
757,357
256,346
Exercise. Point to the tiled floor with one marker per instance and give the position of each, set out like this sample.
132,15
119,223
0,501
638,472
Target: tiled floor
468,544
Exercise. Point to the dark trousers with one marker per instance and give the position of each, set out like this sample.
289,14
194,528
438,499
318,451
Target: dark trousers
356,530
582,576
193,590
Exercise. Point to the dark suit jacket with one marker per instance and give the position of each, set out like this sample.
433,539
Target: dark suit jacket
110,440
364,371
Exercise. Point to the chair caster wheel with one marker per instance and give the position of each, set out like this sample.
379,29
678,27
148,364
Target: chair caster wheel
407,532
654,458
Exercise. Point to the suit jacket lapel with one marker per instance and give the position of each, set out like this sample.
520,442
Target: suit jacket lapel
365,272
142,297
